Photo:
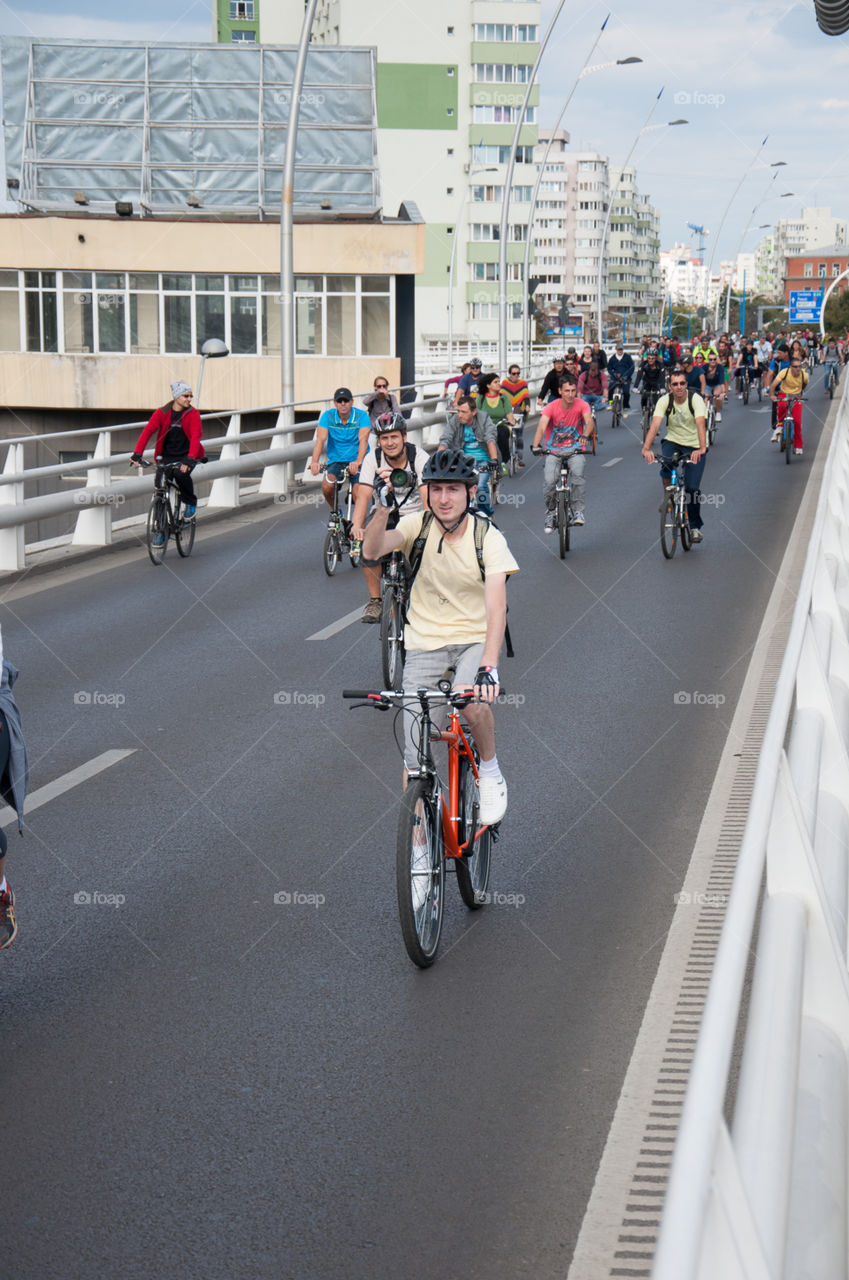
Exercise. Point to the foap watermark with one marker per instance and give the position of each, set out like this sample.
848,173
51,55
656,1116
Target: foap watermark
295,698
510,499
684,698
87,698
695,98
283,898
699,899
306,99
84,899
710,499
98,498
99,98
494,899
511,699
300,498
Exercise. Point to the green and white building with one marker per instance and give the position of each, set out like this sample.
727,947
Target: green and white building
451,76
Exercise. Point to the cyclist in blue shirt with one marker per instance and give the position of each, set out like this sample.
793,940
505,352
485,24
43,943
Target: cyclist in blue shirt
344,431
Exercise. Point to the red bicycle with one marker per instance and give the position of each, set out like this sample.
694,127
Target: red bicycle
438,825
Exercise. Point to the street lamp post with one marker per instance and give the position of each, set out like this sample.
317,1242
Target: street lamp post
646,128
505,207
287,257
474,174
585,71
784,195
777,165
212,349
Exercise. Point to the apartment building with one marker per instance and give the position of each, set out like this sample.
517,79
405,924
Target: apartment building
792,237
451,78
633,268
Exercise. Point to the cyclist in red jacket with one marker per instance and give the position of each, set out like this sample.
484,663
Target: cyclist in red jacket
178,429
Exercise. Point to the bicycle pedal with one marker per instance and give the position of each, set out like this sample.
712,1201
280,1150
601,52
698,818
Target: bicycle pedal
495,832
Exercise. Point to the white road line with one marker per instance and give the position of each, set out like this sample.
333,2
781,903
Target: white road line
612,462
339,625
67,782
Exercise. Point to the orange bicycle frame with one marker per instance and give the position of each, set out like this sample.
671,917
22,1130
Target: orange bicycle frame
458,744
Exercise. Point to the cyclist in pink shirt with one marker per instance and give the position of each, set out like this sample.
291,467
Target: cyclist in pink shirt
560,433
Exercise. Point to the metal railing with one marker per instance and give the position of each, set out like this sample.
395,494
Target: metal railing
102,495
768,1198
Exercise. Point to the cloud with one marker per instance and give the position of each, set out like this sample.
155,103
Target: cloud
835,104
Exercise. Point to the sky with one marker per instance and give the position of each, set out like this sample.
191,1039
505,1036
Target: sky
737,72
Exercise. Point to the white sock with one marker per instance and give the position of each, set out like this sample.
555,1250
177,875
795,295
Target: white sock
3,885
489,768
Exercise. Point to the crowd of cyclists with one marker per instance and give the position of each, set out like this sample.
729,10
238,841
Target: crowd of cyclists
438,508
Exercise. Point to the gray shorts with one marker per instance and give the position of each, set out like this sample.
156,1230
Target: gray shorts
422,669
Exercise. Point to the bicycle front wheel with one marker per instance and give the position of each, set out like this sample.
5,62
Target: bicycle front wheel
157,530
684,526
420,872
745,391
788,438
184,535
332,553
563,523
473,868
391,641
668,528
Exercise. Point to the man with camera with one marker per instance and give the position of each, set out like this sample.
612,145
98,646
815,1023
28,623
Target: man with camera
471,431
396,463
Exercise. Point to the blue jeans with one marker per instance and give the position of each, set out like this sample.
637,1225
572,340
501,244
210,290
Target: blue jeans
692,479
484,503
593,401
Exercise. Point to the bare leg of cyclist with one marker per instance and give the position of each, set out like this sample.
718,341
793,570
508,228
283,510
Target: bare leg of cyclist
482,724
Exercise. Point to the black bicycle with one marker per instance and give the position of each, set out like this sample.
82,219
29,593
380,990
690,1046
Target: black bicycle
166,516
616,400
564,512
649,400
674,521
393,585
831,377
339,539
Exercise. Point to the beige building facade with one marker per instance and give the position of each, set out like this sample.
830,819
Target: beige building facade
99,314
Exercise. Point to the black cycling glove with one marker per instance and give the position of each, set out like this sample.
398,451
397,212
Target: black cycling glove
487,676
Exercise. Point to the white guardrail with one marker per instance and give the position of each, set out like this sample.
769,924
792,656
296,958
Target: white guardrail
768,1199
102,495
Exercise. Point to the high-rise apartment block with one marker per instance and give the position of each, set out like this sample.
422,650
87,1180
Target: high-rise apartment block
451,77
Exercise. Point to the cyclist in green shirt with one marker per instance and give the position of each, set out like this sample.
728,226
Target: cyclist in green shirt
683,414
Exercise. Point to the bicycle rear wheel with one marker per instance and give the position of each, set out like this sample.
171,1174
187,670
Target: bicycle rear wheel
157,530
787,437
473,868
184,534
332,552
684,526
668,528
563,523
420,872
391,641
745,391
830,387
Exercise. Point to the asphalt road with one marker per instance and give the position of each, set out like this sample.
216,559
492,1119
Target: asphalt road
202,1082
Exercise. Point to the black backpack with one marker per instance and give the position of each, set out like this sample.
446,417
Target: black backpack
482,524
670,406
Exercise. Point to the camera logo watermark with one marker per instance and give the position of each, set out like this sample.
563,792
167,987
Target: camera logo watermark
698,99
99,99
84,698
300,498
501,899
294,698
84,899
296,899
683,698
699,899
92,498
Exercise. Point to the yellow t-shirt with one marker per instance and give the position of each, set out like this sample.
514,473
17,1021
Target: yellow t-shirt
793,384
447,601
681,424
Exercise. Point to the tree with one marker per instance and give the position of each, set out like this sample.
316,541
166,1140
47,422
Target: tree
837,313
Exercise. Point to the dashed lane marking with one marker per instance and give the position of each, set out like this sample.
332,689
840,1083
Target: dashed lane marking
67,782
339,625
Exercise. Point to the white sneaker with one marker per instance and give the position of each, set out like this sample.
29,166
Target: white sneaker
776,436
578,517
550,521
493,795
798,453
719,417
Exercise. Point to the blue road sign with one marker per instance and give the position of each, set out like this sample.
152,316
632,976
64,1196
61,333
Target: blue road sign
805,306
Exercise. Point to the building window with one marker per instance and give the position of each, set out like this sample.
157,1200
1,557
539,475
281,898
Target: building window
10,312
809,269
489,310
835,270
505,31
502,115
483,154
243,37
242,10
40,305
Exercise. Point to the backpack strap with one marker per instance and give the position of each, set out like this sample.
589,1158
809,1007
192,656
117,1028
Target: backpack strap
482,524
